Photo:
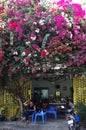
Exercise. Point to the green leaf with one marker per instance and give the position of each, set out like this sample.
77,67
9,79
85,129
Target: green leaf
45,40
0,42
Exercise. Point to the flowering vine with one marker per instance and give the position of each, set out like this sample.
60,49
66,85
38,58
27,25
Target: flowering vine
34,39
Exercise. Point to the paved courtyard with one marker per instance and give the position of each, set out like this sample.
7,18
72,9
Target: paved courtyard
59,124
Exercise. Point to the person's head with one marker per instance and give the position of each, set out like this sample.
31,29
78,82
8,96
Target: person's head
28,101
31,102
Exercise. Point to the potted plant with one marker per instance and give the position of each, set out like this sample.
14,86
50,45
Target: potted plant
3,113
80,108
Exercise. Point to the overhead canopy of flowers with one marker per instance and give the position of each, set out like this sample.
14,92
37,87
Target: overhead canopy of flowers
36,39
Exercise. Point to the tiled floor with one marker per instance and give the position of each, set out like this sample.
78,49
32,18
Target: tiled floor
59,124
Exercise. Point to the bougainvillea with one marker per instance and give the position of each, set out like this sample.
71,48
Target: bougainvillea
36,39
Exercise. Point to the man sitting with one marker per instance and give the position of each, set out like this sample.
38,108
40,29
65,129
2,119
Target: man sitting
30,108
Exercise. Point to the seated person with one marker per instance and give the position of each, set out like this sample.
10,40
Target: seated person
44,104
30,109
26,102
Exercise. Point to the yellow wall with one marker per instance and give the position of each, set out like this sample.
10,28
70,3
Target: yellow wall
7,100
79,85
1,98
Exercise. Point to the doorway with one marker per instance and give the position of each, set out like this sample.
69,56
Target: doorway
41,92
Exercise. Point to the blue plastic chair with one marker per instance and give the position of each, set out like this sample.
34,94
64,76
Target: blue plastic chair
32,116
52,111
40,114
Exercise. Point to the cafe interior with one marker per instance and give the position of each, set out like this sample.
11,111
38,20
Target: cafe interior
53,93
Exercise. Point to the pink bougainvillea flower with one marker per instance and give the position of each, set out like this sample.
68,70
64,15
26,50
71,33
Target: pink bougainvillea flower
32,27
27,60
1,56
1,29
10,12
80,52
4,63
1,10
84,48
76,57
26,52
60,21
78,64
37,9
13,25
0,48
33,71
64,48
35,46
33,37
16,58
64,3
43,27
43,53
18,29
76,31
83,61
78,11
26,64
70,63
18,14
30,24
